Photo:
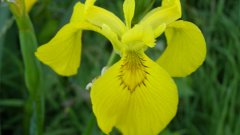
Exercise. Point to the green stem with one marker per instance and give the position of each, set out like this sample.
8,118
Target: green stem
91,123
33,76
112,59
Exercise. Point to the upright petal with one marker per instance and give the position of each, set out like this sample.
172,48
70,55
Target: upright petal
63,52
135,95
167,13
128,10
186,49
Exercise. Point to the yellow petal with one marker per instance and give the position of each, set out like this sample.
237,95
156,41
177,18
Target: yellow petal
128,10
135,95
111,36
99,17
139,33
167,13
63,52
186,49
88,4
81,10
103,30
29,4
81,22
78,13
159,30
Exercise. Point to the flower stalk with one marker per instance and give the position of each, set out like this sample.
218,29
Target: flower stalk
113,58
33,76
34,109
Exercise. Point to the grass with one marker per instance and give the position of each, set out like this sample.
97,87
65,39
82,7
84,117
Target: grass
209,98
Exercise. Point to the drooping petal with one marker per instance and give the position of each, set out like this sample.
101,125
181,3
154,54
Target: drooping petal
128,10
63,52
186,49
99,17
167,13
81,21
135,95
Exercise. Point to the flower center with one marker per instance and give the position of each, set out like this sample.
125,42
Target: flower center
133,71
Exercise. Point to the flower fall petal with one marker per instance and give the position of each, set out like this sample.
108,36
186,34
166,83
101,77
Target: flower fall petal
63,52
186,49
135,95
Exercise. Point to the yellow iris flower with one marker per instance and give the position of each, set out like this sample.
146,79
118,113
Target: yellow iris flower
136,95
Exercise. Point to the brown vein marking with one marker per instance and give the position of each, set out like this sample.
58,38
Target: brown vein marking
133,72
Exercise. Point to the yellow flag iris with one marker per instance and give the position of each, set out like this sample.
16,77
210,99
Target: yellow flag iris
136,95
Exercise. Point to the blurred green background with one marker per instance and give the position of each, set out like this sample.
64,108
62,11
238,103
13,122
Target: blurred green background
209,98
